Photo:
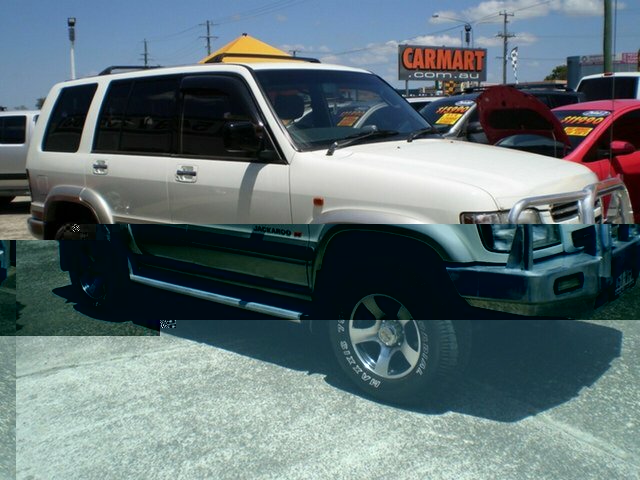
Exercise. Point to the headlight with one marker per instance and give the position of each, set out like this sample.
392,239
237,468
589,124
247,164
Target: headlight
530,215
499,238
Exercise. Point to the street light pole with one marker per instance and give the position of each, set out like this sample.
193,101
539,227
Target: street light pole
71,23
468,29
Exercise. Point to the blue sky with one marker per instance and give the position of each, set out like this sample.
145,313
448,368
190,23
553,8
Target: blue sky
34,44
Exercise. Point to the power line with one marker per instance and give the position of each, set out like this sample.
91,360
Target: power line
260,11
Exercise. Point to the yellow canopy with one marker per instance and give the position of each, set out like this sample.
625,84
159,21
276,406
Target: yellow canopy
242,49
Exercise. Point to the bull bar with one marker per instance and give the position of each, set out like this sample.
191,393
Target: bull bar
586,199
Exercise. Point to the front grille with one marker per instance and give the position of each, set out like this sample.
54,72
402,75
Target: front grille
563,212
585,238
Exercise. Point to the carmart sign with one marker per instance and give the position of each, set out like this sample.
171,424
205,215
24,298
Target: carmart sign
442,63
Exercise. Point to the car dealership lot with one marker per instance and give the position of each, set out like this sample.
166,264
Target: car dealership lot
253,399
7,407
13,220
223,399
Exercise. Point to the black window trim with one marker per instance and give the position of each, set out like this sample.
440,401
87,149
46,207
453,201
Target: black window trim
132,82
279,156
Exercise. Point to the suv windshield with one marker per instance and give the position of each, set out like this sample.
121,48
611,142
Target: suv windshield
321,107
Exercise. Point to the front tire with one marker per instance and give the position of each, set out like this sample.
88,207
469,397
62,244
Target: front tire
391,355
75,231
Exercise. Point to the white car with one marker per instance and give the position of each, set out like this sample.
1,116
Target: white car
419,102
280,143
603,86
16,129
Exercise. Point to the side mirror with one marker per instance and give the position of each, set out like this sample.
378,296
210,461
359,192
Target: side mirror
242,137
620,147
475,127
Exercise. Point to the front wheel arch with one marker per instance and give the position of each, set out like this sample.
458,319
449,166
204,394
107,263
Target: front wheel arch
355,253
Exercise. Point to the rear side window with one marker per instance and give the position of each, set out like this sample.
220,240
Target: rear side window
64,130
139,116
13,130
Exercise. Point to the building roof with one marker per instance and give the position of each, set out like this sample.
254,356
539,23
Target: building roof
246,49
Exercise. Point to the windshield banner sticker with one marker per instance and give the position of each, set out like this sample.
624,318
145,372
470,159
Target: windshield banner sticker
581,124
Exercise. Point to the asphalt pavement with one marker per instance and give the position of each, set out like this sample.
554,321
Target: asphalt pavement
543,399
8,376
7,407
100,395
13,220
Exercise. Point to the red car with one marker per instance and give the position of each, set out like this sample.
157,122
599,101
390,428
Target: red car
603,135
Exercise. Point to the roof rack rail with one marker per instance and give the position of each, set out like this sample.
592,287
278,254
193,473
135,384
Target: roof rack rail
218,58
126,68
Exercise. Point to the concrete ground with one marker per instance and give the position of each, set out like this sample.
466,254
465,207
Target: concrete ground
8,303
7,407
8,376
260,399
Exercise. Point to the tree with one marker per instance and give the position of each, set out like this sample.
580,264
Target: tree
39,103
558,73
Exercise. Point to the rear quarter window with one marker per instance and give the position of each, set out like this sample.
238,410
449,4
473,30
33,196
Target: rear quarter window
66,123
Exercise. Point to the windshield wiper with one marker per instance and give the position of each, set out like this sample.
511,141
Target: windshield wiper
423,131
371,132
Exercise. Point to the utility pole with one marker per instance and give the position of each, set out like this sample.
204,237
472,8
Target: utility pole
607,37
505,38
208,36
145,55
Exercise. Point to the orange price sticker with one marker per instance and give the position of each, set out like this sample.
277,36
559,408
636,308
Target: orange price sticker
449,119
349,119
578,131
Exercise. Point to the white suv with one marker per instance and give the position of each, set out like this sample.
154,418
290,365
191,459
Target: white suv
16,129
280,143
603,86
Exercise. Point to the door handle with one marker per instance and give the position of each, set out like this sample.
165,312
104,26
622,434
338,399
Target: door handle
100,167
186,174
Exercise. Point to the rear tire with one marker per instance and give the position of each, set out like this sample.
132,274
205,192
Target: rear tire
98,271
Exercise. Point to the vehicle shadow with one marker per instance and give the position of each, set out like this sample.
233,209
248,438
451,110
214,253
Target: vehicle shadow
147,306
20,205
518,368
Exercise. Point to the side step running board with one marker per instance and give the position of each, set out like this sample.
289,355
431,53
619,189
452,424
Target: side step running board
222,299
